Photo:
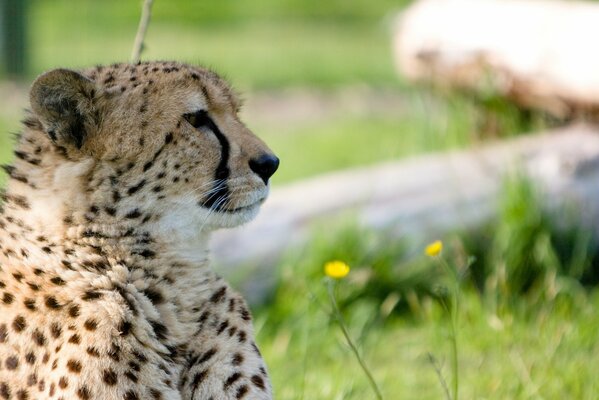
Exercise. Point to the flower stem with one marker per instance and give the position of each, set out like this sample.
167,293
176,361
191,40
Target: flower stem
453,314
350,342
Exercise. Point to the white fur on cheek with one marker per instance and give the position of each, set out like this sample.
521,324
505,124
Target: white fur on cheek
48,205
185,226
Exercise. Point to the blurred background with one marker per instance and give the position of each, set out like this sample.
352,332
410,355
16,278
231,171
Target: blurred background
398,123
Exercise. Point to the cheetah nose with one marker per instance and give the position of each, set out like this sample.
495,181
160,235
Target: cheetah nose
264,166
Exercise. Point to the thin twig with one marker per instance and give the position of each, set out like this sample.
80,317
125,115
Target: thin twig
350,342
138,44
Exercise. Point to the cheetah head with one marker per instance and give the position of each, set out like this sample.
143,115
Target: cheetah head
160,141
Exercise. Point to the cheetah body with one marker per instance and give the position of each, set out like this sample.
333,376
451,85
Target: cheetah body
120,175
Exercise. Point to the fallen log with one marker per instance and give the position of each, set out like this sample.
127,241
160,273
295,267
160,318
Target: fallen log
539,53
420,197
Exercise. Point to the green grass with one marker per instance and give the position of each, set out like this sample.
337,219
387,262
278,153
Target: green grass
260,45
526,320
553,354
248,53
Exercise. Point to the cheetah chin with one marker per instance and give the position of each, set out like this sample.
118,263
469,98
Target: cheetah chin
121,173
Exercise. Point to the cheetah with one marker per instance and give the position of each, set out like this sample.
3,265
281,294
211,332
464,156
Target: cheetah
120,175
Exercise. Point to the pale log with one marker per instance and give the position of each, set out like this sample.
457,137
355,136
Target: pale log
539,53
420,198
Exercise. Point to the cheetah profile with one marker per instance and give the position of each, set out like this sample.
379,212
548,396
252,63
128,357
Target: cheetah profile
120,175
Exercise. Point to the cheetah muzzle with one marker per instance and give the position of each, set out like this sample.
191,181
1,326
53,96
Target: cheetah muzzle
120,175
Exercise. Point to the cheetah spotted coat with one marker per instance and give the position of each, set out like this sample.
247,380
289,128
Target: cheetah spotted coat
120,175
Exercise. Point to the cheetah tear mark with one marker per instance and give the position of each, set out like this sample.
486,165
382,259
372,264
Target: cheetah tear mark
220,189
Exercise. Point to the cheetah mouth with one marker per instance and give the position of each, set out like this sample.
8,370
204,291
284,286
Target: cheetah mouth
244,208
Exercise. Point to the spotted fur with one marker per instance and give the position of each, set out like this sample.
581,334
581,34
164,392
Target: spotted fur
120,175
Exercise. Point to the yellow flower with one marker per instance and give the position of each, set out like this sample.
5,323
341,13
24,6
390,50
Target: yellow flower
336,269
434,249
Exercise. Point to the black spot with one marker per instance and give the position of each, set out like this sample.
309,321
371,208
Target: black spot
131,376
57,281
55,330
218,295
258,382
140,357
91,295
241,391
30,358
154,296
75,339
156,395
63,382
74,366
52,303
74,311
8,298
4,391
224,325
146,253
134,366
159,329
92,351
114,353
125,328
133,214
83,393
90,324
109,377
12,362
197,379
131,395
19,324
237,359
245,314
231,380
136,188
207,356
38,338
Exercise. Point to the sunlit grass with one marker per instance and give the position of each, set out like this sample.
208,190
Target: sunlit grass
504,339
547,351
552,355
255,52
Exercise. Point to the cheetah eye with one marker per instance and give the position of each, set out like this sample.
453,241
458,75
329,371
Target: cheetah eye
198,119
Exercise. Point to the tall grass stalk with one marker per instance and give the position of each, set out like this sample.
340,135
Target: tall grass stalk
453,327
339,318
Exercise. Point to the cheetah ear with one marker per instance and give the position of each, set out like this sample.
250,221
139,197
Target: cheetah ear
63,101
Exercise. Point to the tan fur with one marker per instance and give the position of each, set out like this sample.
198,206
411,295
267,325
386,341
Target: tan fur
105,290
